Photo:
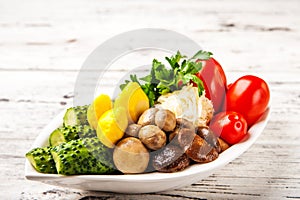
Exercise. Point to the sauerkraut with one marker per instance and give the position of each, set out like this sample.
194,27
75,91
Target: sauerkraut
186,103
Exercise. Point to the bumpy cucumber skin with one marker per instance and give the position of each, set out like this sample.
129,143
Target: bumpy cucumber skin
86,131
76,116
68,133
83,156
63,134
41,159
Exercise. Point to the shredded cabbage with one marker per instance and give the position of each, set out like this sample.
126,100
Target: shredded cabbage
186,103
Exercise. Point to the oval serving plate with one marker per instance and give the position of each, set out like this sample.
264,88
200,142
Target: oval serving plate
141,183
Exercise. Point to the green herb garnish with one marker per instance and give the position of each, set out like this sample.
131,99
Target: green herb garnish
163,80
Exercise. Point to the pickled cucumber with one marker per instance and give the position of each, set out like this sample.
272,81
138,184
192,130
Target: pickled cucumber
76,116
83,156
41,159
68,133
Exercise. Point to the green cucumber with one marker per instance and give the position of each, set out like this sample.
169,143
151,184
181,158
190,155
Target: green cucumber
68,133
86,131
76,116
41,159
83,156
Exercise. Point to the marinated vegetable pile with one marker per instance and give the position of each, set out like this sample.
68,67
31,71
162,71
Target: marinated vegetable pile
174,117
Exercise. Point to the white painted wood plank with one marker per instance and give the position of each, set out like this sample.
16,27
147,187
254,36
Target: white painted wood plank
61,36
43,45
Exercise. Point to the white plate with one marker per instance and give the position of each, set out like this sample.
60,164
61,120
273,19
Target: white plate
141,183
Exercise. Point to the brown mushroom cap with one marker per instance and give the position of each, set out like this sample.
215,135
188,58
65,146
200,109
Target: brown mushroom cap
223,144
153,137
184,123
173,134
148,117
170,159
131,156
180,124
200,151
133,130
206,133
165,119
182,137
185,138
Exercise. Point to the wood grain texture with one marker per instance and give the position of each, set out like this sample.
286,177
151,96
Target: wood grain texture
43,45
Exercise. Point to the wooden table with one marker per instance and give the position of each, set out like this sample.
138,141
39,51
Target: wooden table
43,45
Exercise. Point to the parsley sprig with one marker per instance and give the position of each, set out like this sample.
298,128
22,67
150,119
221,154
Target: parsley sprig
163,80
